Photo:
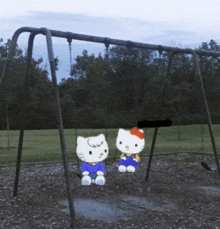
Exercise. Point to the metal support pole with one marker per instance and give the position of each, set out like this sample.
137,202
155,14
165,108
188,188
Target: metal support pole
151,153
3,75
198,72
23,111
61,130
20,145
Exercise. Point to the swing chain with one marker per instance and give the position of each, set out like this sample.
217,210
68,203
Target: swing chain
129,45
69,40
160,50
106,41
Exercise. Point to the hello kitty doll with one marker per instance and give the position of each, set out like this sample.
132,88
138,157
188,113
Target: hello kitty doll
130,143
92,151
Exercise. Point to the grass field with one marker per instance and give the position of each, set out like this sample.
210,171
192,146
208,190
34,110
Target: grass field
44,145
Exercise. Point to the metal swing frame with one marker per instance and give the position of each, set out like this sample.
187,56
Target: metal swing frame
107,41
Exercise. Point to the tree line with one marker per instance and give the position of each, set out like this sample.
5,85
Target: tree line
112,91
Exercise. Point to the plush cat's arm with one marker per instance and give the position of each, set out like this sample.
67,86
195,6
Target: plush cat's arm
123,157
85,173
136,158
101,169
84,169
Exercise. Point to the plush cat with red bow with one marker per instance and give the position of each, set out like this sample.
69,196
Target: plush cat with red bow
130,143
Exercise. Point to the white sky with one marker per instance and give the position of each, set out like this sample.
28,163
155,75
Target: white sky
142,9
187,15
166,22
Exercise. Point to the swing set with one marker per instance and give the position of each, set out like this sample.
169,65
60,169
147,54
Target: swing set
106,41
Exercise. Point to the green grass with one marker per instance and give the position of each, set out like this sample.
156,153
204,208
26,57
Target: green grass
44,145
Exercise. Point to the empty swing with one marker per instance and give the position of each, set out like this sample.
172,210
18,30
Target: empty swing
166,77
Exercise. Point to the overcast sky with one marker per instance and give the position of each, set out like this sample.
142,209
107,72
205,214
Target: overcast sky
181,23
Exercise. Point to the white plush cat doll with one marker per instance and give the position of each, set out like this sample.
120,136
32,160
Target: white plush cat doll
130,143
92,151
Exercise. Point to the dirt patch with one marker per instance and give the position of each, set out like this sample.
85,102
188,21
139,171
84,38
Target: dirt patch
112,210
211,190
104,210
178,194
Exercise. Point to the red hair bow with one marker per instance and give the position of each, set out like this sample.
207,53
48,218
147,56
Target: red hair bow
137,132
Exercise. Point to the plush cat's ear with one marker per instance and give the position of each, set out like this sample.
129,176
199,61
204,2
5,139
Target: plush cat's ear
121,131
102,137
80,139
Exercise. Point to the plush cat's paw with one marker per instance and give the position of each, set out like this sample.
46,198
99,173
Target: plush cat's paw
122,168
86,180
100,180
131,169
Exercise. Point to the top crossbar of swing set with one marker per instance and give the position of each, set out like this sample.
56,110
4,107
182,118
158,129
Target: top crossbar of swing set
108,41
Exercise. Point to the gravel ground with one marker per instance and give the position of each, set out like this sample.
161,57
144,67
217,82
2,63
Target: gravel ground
193,191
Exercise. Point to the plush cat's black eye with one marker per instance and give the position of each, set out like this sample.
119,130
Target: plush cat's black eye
106,150
90,152
136,145
120,142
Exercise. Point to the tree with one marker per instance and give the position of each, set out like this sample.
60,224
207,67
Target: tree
39,103
115,92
